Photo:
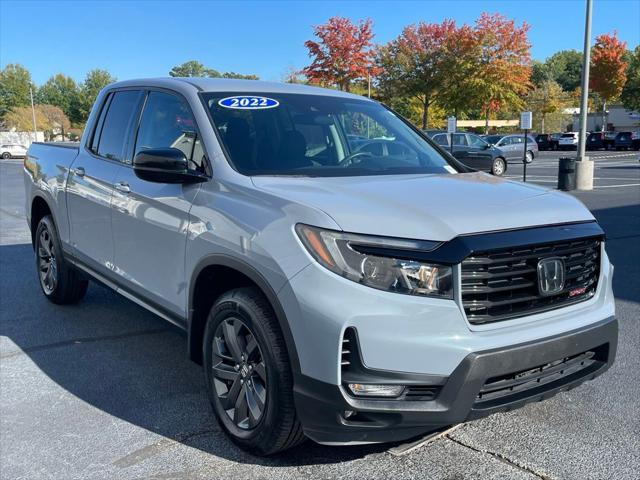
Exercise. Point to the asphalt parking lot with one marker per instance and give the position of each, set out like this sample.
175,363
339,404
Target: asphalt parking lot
104,390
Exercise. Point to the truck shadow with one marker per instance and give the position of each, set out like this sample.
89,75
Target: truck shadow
130,364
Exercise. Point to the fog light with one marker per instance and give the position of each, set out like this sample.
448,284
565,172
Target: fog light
372,390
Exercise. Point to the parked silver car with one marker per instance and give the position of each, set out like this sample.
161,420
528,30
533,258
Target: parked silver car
338,275
513,146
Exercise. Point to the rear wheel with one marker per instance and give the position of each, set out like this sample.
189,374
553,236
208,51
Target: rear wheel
248,375
499,166
60,282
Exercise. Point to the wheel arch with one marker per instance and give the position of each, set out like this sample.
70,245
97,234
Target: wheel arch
205,288
39,209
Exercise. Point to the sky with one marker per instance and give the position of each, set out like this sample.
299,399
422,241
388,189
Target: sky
134,39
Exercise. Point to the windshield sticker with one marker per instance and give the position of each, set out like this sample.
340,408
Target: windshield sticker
248,102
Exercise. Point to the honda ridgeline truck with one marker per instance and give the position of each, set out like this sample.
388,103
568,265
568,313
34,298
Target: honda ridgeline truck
338,275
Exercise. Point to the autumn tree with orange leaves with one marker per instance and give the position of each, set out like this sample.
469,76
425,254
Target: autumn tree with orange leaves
420,62
342,54
504,64
607,77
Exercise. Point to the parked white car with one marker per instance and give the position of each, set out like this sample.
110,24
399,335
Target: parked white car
13,150
568,141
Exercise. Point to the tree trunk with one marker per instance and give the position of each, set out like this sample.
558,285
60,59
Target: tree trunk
542,123
604,114
425,112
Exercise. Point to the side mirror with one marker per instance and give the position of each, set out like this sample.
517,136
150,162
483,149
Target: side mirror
487,146
164,165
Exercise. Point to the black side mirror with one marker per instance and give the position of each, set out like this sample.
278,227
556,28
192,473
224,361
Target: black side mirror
164,165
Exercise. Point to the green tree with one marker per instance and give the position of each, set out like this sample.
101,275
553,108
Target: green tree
15,81
193,68
61,91
630,95
545,100
540,73
565,68
95,81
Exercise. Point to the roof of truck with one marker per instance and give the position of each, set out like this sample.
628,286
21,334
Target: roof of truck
234,85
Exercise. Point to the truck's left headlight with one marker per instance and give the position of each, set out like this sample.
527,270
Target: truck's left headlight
345,254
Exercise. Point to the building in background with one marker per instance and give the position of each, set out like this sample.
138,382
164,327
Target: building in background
618,119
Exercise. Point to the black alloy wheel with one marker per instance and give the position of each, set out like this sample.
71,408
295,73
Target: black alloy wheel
239,373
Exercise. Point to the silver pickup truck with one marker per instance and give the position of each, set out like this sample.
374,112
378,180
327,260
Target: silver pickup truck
339,276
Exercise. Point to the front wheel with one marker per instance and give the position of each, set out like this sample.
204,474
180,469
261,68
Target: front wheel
60,282
248,375
6,155
499,167
529,156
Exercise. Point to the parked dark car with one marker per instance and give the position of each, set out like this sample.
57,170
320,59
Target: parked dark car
547,141
472,150
627,141
601,140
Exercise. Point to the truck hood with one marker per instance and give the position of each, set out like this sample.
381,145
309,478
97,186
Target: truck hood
429,207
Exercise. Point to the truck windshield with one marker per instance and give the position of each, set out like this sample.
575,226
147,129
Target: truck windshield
316,135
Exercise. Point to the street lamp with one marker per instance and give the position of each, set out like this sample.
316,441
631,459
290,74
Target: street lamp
584,166
33,114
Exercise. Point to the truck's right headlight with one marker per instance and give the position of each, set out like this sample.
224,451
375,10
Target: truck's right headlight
339,252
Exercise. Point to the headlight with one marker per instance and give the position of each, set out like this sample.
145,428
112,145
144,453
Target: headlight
345,254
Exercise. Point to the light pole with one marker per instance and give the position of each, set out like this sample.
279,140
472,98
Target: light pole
584,166
33,115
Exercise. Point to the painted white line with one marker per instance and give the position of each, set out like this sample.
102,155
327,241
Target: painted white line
619,186
555,176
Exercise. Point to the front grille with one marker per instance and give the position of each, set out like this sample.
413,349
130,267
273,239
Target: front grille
503,284
505,388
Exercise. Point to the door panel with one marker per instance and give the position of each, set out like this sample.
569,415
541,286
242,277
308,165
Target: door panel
90,183
150,225
88,207
150,220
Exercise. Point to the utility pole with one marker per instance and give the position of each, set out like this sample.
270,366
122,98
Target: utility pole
33,114
584,166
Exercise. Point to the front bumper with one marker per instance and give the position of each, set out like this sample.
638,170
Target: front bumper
321,406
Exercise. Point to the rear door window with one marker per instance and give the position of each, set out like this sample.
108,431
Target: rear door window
441,139
459,139
116,131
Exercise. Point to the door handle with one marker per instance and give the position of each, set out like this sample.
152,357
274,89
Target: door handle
79,171
122,187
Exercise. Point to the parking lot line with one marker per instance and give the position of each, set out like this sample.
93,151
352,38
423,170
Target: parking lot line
618,186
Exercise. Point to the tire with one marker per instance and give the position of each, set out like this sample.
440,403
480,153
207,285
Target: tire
256,367
529,156
60,282
6,155
499,166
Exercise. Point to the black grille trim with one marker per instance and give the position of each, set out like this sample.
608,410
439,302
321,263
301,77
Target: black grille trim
505,388
502,284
